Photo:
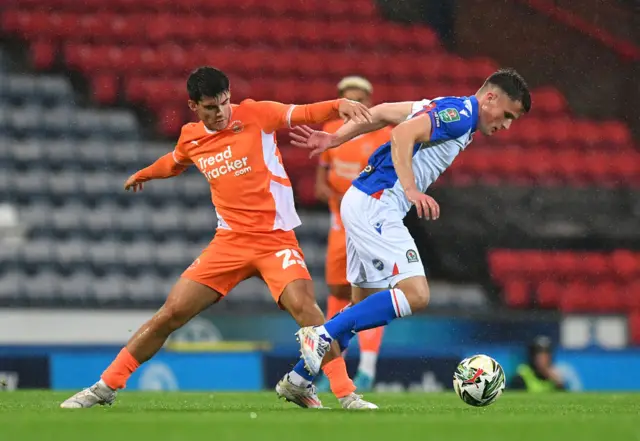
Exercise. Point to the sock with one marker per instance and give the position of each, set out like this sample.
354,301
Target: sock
335,305
119,371
336,372
299,375
368,360
376,310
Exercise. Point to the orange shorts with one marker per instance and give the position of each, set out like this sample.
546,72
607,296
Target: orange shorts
336,263
232,257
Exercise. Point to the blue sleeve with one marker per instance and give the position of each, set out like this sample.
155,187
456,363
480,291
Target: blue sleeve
450,119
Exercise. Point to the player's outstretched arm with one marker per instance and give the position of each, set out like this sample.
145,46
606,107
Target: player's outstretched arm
403,138
164,167
323,111
382,115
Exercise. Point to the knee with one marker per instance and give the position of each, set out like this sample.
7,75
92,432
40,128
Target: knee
417,294
304,309
169,319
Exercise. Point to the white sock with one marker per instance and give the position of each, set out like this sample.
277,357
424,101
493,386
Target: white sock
103,384
298,380
368,360
323,333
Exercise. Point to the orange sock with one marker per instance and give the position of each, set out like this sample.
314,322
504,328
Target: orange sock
371,339
119,371
335,305
336,372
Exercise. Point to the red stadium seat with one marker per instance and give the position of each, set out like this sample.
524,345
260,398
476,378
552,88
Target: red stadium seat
42,54
606,297
630,293
548,294
634,327
576,298
170,121
104,89
616,133
517,294
593,267
625,265
548,101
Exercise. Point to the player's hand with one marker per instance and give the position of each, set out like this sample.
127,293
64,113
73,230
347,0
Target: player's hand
426,206
355,111
316,140
134,183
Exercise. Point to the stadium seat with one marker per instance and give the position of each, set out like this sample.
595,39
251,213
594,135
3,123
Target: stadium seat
517,294
634,327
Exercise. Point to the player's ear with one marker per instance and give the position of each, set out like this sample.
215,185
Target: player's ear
192,105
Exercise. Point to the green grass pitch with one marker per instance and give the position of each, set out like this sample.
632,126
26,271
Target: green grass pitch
161,416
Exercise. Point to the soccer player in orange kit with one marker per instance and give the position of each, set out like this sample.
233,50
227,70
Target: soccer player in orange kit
337,168
234,147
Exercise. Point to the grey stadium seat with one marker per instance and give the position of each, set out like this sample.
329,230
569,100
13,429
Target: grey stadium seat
58,120
172,254
30,182
145,287
65,184
37,216
10,285
43,286
138,253
68,218
55,89
109,288
72,252
37,253
61,153
105,254
77,286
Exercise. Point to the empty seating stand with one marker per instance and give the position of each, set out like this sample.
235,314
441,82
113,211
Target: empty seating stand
573,282
142,51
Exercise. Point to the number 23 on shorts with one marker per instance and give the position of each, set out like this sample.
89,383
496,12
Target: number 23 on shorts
290,258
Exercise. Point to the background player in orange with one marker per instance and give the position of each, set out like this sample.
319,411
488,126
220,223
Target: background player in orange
234,147
337,168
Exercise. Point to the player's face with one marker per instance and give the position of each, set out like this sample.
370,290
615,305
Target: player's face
214,112
358,95
497,112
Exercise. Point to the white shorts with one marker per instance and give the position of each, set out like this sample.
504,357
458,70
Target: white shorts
380,250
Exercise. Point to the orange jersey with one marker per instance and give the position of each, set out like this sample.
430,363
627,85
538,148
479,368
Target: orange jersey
250,188
347,161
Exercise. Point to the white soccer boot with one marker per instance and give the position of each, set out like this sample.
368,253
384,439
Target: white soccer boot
303,396
99,393
355,402
313,347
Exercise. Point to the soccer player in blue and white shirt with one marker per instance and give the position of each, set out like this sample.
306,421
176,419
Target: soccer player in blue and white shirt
383,264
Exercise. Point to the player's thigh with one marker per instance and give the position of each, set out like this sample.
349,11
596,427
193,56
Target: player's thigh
280,261
336,259
380,250
358,294
298,299
187,299
223,264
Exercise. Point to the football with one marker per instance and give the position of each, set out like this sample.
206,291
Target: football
479,380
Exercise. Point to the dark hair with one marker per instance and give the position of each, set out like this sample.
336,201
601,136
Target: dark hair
512,83
206,81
